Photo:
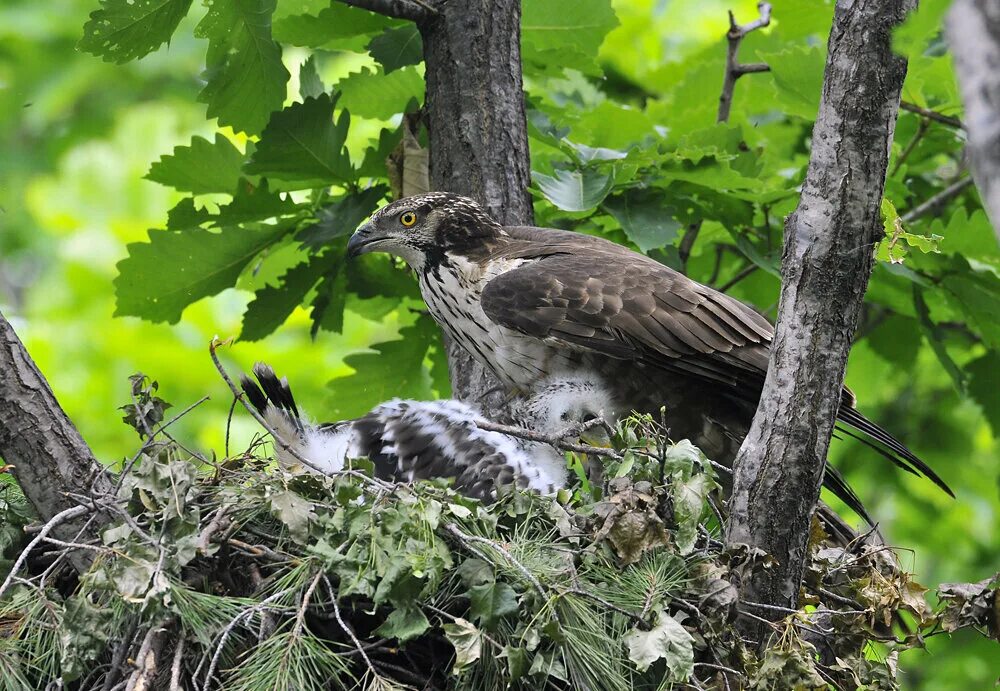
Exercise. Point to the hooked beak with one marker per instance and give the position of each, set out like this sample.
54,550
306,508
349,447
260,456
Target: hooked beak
361,240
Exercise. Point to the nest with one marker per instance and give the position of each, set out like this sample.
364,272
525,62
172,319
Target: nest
236,575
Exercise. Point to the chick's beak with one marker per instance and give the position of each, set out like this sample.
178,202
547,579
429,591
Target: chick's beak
360,240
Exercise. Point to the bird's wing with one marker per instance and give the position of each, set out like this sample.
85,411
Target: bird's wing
591,294
595,295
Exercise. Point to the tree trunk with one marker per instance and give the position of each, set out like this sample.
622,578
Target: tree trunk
973,30
49,456
827,261
478,132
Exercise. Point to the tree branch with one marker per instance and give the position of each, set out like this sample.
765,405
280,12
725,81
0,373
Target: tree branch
827,261
931,114
973,31
48,455
935,203
734,70
414,10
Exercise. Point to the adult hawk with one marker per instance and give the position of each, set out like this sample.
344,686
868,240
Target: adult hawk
415,440
532,303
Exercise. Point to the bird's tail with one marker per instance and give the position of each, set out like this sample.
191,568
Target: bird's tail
856,425
272,397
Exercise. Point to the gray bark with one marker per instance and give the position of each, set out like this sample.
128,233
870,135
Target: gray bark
49,456
973,31
827,261
478,132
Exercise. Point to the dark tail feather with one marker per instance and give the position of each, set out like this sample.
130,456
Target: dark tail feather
836,483
877,438
272,391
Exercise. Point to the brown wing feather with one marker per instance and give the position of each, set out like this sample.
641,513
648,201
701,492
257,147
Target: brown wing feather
592,294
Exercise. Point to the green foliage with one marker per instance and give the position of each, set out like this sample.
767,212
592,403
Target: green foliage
124,30
622,96
277,581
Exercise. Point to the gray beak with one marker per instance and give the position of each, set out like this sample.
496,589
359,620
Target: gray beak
362,237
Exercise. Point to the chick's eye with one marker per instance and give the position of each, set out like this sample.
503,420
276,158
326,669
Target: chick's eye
408,219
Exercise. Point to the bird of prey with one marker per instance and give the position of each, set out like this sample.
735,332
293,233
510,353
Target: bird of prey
532,303
412,440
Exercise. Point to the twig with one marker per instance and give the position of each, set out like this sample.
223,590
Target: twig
145,660
911,145
744,272
414,10
121,650
78,545
935,203
344,627
734,69
175,667
637,618
224,636
553,439
931,114
64,515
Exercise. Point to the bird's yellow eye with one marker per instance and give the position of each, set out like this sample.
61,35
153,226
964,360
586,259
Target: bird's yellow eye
408,219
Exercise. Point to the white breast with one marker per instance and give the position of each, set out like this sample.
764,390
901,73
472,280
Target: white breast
453,292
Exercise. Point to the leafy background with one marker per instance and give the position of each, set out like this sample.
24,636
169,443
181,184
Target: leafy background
208,188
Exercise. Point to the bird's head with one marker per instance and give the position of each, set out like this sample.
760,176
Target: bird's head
561,402
422,228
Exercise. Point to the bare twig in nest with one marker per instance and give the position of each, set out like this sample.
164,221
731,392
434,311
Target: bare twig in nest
175,667
64,515
344,627
735,69
556,440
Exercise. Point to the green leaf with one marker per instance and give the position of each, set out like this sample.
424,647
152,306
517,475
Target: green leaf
395,48
394,370
302,144
328,305
645,217
669,641
984,387
272,305
83,636
124,30
246,78
517,661
550,33
161,277
467,640
336,21
310,84
935,336
797,80
575,190
977,295
254,203
404,624
201,168
490,602
376,95
295,512
922,25
342,217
